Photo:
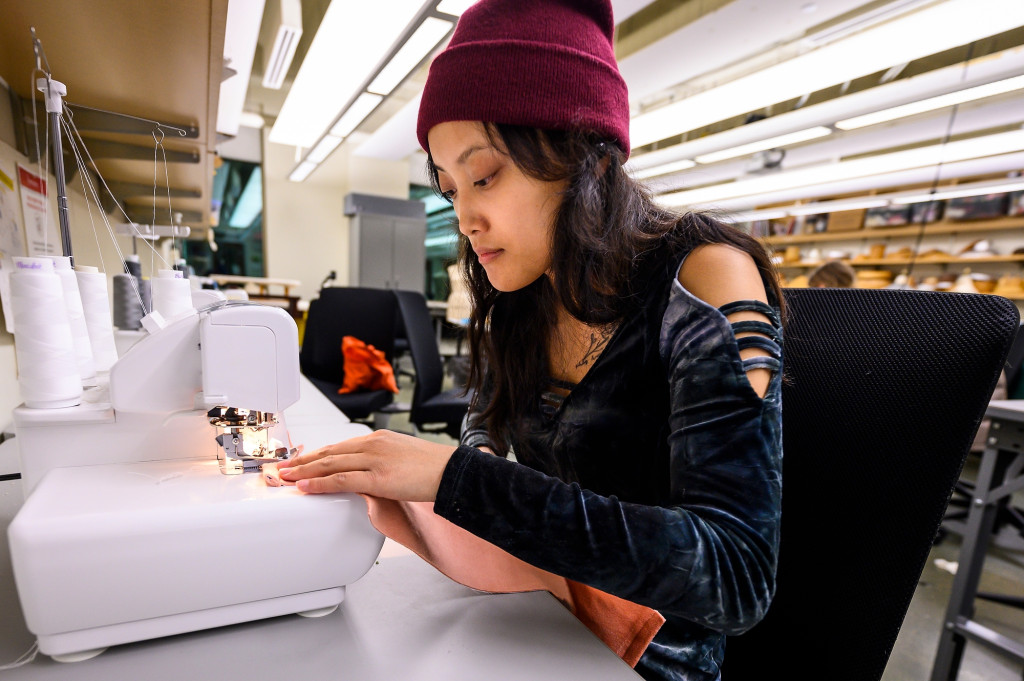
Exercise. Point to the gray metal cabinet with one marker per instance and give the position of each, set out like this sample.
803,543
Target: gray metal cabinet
386,242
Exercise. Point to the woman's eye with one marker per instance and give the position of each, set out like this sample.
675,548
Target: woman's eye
484,182
448,195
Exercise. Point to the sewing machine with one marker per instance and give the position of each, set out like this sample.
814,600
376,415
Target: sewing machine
140,519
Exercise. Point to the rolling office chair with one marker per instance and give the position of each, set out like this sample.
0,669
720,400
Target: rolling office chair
366,313
963,495
431,410
884,392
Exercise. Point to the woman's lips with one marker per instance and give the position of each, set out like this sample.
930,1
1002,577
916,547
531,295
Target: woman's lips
486,256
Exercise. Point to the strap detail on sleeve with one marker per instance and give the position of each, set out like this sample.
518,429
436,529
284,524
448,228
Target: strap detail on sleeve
752,306
769,337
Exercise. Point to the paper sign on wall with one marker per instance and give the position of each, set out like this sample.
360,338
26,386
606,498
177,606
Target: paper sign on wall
40,229
12,243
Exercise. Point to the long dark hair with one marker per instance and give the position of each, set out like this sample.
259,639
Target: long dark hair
606,230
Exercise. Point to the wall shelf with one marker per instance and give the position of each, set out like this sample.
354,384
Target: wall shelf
891,262
930,229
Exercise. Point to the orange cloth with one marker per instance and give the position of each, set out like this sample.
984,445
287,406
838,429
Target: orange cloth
625,627
366,368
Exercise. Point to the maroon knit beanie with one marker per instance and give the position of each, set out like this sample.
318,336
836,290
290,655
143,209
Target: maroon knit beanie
539,63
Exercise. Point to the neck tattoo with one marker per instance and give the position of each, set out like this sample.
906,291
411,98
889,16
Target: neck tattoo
598,340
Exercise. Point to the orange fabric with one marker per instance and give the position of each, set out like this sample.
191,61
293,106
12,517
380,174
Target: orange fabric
366,368
625,627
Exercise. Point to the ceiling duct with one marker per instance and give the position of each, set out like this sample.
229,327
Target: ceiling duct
284,17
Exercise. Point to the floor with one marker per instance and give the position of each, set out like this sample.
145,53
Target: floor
914,651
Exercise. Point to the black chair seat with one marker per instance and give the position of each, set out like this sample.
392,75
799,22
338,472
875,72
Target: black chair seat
447,408
432,410
358,405
366,313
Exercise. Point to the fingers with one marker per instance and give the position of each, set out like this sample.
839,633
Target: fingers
353,481
330,464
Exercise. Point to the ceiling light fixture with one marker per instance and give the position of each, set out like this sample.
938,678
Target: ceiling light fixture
413,45
674,167
979,189
989,145
933,103
421,43
454,7
353,39
242,32
323,148
302,171
899,41
356,114
761,145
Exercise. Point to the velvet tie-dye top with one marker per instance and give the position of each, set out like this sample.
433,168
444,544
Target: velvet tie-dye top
658,478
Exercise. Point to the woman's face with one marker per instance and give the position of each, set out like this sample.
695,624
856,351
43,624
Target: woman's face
507,216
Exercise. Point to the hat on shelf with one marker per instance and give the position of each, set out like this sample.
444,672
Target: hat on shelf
539,63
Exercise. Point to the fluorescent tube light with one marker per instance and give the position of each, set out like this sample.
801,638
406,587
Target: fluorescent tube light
761,145
676,166
454,7
323,148
423,40
754,215
242,32
905,39
302,171
976,147
932,103
286,16
968,190
355,114
836,206
353,38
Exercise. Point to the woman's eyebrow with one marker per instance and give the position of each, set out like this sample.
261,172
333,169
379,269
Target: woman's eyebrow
463,157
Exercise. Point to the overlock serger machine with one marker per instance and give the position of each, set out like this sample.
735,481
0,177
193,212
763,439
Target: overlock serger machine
138,522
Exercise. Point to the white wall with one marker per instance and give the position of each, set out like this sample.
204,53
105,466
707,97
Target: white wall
305,230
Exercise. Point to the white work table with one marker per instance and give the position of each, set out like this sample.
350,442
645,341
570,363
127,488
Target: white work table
402,620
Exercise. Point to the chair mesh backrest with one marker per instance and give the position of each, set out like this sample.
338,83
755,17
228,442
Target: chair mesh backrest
366,313
426,357
885,390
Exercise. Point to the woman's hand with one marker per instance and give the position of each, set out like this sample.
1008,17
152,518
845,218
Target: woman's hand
383,464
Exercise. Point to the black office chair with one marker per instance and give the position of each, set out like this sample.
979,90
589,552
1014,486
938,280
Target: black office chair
431,410
885,390
366,313
963,494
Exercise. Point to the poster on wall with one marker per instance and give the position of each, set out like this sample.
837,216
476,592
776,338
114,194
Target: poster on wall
12,243
40,229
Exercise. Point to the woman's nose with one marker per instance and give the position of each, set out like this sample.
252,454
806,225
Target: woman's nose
469,218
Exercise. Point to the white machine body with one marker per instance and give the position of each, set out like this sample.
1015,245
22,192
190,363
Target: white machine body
130,531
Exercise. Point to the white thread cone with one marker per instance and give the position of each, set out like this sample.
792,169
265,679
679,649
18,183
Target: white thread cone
76,317
172,294
92,284
47,368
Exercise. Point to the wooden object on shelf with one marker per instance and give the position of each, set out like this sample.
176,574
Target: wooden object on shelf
943,227
846,220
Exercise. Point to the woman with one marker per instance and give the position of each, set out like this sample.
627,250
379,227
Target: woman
627,356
